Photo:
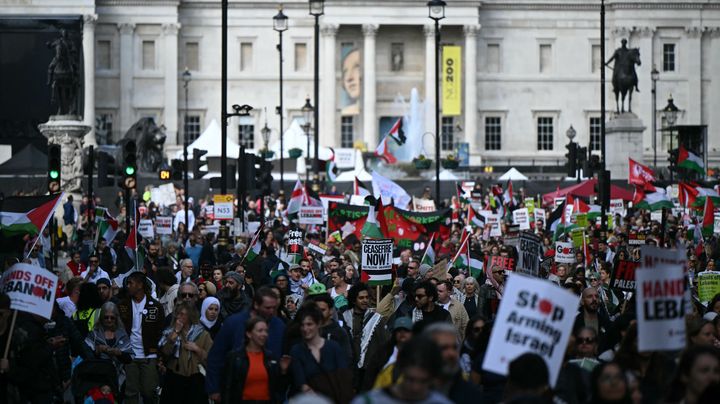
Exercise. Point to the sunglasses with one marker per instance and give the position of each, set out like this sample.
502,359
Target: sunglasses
456,281
187,295
419,296
109,317
586,340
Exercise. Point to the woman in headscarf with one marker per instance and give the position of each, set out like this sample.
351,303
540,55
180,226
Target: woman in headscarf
209,313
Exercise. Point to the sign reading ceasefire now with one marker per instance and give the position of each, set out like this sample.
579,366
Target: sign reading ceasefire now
451,78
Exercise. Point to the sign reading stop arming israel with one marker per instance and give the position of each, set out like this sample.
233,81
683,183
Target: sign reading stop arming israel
535,316
377,261
451,90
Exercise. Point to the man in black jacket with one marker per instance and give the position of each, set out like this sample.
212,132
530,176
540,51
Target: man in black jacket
426,310
592,315
330,328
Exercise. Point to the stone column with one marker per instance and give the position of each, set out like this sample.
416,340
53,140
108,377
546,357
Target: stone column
89,79
370,123
694,75
470,81
170,113
642,101
126,75
328,84
623,135
428,141
713,119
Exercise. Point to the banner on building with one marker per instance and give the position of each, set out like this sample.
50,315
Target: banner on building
163,224
564,252
31,289
529,254
451,80
535,316
377,261
661,308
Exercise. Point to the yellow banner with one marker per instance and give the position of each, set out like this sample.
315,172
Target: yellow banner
451,80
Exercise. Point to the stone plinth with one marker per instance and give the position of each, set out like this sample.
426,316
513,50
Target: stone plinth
68,131
623,140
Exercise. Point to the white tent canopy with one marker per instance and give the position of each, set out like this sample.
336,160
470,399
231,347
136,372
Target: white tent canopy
446,175
513,175
211,140
359,171
294,138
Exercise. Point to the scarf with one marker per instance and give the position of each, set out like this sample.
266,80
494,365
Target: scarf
192,334
370,320
210,300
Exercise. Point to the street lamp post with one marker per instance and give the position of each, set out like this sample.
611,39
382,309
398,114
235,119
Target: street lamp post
280,24
186,77
308,112
436,12
317,8
570,133
670,112
654,76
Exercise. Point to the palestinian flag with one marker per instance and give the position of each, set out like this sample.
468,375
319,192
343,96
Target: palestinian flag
371,229
556,221
474,219
462,196
508,198
465,260
297,198
331,168
29,215
655,201
429,255
708,221
253,250
693,195
383,150
690,161
360,189
108,228
397,133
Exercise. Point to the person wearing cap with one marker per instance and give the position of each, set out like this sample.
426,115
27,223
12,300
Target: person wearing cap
232,296
295,278
401,333
104,289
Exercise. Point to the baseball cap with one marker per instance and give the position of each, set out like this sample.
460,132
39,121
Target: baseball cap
316,289
403,322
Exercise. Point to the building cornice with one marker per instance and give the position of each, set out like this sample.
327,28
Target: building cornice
145,3
595,6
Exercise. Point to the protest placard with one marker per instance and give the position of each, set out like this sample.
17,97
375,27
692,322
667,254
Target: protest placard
656,216
223,206
577,235
521,218
652,256
492,222
209,212
210,229
564,252
616,206
423,205
311,215
164,195
163,225
325,199
145,228
581,220
708,286
623,276
635,238
506,263
319,249
529,254
540,219
295,242
716,223
31,289
660,308
377,261
535,316
530,205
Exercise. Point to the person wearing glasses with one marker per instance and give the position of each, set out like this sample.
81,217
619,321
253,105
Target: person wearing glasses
109,340
94,272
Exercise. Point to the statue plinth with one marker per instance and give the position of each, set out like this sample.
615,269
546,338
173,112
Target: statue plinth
68,131
623,140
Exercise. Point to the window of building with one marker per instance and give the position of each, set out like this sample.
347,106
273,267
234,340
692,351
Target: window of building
246,56
595,133
300,57
493,133
148,55
545,58
104,127
447,140
103,59
246,132
192,56
397,56
545,131
192,127
347,131
596,59
493,58
669,57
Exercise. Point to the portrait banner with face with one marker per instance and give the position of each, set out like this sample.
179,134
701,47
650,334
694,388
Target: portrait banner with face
351,69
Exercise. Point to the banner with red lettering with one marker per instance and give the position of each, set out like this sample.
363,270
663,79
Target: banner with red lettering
506,263
661,308
31,289
623,276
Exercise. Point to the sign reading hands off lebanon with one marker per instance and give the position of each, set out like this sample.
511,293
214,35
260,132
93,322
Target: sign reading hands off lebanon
535,316
31,289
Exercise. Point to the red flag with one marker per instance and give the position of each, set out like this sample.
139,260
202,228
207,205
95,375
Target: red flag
640,174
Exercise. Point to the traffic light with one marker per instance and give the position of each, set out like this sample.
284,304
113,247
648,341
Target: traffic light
54,168
571,157
673,158
129,169
604,188
104,170
265,177
592,165
178,168
197,164
581,159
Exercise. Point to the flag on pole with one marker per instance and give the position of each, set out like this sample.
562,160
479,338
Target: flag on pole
331,167
474,219
397,133
655,200
429,255
298,198
689,160
27,214
383,150
708,221
463,197
108,228
360,189
639,174
255,246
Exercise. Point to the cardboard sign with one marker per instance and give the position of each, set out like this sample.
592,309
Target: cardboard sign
223,206
661,308
530,205
616,206
708,285
623,276
506,263
564,252
529,254
535,316
163,225
295,242
318,249
521,217
311,215
423,205
377,261
31,289
540,219
145,228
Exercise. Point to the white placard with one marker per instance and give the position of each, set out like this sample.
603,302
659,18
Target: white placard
164,195
163,225
357,200
521,217
616,206
345,157
223,207
210,228
145,228
535,316
492,222
660,308
540,218
423,205
564,252
310,215
656,216
377,260
31,289
717,223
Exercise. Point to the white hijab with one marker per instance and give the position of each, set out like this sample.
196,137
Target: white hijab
203,310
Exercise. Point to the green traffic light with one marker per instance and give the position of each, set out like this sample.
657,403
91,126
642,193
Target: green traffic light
129,170
54,174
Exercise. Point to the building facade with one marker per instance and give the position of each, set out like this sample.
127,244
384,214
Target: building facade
530,69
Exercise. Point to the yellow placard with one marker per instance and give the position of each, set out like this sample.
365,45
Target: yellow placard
451,80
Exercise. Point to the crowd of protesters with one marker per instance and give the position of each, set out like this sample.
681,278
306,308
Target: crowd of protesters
193,319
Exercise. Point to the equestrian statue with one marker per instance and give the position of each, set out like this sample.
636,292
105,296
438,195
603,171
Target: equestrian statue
624,79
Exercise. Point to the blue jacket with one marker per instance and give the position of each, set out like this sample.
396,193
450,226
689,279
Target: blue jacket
232,338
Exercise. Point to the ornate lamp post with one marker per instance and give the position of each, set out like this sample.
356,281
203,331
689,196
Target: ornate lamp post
570,133
186,77
280,24
308,112
436,12
654,76
670,112
265,133
317,8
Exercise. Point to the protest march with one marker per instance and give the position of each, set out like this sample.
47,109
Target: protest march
487,295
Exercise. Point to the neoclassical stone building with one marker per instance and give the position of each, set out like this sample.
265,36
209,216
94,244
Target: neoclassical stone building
530,68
